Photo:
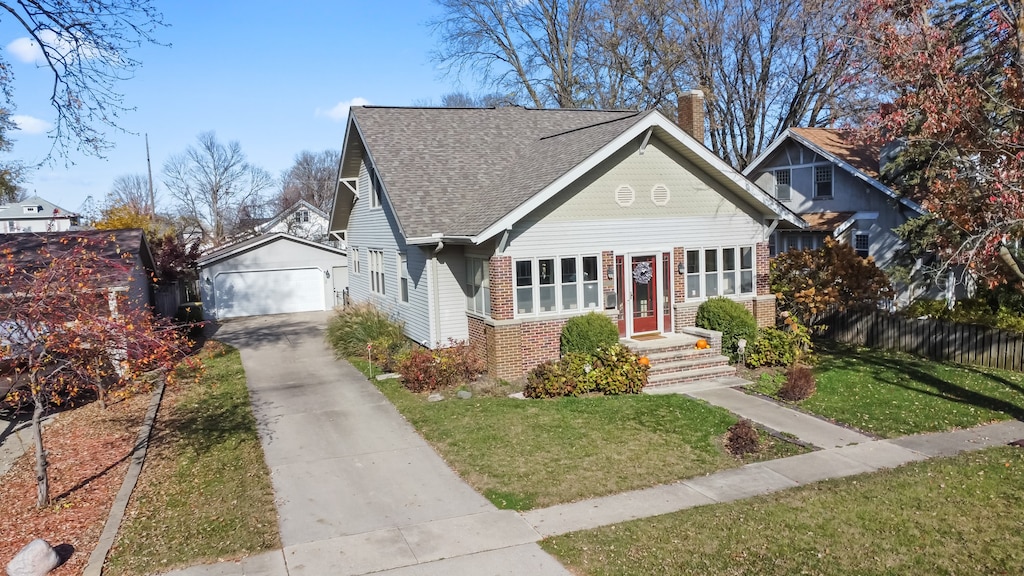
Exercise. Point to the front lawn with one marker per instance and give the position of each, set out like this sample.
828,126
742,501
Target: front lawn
205,491
523,454
959,515
893,394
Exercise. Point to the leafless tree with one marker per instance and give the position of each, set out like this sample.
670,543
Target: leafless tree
85,44
311,178
131,191
214,184
521,48
764,65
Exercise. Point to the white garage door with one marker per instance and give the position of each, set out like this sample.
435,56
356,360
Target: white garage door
269,292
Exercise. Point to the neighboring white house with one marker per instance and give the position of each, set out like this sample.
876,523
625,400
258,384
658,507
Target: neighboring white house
272,274
301,219
832,182
497,225
35,215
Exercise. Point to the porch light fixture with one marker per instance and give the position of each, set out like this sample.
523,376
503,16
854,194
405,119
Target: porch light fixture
611,272
681,268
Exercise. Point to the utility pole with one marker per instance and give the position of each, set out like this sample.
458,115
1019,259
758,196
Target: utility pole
149,167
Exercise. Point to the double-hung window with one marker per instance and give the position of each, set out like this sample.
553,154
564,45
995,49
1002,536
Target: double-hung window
375,189
725,271
478,295
354,256
782,184
403,277
557,284
823,181
377,284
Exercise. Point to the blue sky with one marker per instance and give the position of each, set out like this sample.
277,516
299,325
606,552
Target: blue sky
275,76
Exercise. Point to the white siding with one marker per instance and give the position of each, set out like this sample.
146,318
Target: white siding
451,281
376,229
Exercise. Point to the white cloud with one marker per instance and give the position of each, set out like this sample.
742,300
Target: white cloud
30,124
27,49
339,112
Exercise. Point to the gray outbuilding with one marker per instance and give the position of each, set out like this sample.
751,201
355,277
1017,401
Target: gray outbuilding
272,274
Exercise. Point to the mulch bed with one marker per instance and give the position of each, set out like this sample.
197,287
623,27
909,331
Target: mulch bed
89,449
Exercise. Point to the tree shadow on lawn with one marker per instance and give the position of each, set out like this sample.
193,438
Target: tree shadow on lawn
909,373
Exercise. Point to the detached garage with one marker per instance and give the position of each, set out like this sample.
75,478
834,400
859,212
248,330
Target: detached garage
273,274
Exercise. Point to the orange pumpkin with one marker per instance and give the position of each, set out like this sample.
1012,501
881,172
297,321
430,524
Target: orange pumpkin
702,344
645,361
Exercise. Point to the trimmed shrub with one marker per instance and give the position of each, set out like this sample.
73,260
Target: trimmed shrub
779,346
424,370
618,371
800,384
588,332
742,438
549,380
612,370
352,328
730,318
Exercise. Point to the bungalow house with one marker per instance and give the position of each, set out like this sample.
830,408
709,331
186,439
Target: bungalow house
35,215
497,225
832,182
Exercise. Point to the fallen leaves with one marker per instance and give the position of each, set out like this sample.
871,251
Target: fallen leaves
89,449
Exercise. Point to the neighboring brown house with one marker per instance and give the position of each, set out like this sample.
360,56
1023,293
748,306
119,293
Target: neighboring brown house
135,282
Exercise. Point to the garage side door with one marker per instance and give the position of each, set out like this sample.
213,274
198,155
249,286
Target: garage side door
269,292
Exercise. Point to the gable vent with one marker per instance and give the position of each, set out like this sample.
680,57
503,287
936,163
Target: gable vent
624,195
660,195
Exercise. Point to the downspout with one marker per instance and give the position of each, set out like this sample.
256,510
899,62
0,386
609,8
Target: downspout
434,293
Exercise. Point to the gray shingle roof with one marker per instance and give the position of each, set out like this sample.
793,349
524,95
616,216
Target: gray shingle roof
456,171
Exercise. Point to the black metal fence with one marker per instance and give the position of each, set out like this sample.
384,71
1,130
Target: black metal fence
929,338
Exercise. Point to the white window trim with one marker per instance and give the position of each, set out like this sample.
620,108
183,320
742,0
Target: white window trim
356,268
484,286
701,273
378,276
831,181
403,276
788,185
535,286
867,239
375,190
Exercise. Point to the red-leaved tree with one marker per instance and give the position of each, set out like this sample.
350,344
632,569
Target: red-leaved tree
955,74
67,330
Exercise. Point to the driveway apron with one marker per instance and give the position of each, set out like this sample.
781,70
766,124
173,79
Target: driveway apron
357,489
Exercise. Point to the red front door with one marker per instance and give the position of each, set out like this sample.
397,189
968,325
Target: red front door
644,272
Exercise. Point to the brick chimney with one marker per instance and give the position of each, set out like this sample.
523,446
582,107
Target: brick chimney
691,114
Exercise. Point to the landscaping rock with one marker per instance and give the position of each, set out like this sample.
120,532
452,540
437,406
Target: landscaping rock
517,396
36,559
388,376
465,394
435,397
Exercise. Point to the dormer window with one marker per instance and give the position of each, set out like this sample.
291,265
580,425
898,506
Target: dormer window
33,209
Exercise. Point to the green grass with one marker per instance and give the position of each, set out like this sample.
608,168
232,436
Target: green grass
205,490
524,454
960,515
893,394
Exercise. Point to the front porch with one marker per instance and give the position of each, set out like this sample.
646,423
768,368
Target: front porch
677,364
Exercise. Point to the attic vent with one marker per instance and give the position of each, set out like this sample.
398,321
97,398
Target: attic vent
660,195
624,195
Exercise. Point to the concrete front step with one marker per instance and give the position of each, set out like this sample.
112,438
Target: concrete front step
698,386
686,364
692,375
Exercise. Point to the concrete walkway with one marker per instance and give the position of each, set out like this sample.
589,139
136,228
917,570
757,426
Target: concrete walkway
358,491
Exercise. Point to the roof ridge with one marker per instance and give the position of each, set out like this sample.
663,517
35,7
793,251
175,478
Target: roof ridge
634,114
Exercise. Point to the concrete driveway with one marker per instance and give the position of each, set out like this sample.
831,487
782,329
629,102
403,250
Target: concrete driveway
357,489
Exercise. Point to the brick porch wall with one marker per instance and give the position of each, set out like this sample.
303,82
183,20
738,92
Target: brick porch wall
515,349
